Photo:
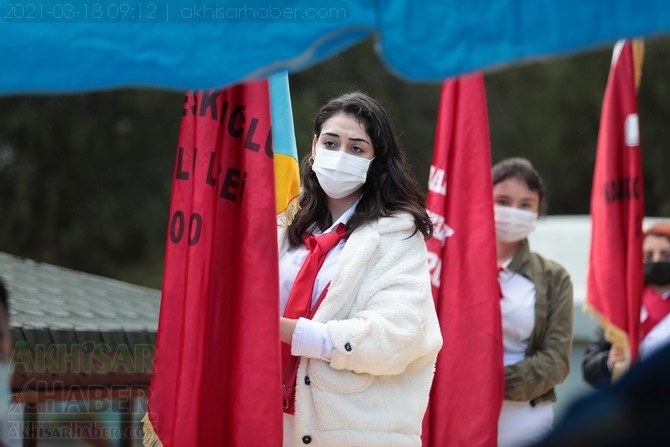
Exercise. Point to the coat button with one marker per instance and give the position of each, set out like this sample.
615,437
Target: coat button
347,347
307,381
306,439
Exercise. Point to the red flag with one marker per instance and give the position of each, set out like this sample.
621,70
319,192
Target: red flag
217,364
469,379
615,278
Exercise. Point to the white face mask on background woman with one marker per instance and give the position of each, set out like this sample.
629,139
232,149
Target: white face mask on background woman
339,174
513,224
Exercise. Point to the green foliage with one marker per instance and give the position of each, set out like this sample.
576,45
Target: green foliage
85,179
545,110
549,112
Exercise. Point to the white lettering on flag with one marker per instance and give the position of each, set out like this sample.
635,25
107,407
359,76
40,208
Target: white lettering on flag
435,268
441,231
632,130
437,181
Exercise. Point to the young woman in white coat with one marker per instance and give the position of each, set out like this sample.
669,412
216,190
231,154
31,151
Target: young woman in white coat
536,308
365,344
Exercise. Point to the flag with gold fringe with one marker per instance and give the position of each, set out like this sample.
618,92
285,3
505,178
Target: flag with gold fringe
216,377
615,277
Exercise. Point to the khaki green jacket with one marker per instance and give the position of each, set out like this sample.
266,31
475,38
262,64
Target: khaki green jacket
547,361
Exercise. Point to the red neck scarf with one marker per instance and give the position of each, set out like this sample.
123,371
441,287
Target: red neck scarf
300,303
657,309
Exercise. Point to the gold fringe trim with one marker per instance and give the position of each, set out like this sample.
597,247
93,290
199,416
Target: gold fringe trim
150,438
616,336
286,217
638,57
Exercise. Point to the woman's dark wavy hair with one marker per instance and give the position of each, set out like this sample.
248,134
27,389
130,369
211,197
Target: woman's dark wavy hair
390,186
522,170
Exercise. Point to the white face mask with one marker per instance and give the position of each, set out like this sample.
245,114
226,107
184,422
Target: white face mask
513,224
339,174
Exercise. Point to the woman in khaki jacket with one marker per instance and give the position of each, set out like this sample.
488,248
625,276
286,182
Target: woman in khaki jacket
536,308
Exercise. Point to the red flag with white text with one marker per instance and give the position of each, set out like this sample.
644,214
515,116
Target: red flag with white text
615,277
217,364
468,388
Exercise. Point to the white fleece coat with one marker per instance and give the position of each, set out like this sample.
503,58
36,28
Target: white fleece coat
382,320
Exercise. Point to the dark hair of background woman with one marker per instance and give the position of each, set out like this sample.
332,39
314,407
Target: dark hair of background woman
522,170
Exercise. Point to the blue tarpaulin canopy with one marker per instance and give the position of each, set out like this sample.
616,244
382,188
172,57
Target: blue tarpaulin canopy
58,46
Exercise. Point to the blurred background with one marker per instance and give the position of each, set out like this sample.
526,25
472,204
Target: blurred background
85,178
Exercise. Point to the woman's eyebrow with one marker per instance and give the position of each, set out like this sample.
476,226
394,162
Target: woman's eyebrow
360,139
